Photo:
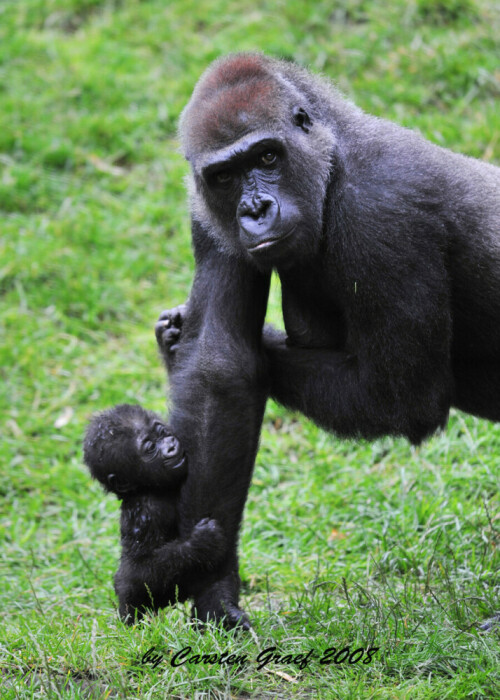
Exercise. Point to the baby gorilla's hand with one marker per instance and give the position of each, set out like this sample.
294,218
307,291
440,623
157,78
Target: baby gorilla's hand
208,527
207,535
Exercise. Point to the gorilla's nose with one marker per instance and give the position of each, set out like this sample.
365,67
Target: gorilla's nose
170,447
257,215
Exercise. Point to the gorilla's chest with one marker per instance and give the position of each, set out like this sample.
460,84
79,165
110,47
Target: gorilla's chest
313,316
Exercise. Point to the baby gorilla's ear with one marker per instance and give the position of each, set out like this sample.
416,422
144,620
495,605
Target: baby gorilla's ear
119,486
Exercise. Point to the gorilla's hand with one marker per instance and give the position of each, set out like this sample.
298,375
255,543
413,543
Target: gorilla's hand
207,533
168,330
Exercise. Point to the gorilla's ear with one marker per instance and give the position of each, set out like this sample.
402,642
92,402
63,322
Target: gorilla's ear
122,488
302,119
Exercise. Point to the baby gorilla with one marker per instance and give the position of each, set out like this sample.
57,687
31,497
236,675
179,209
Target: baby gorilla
134,454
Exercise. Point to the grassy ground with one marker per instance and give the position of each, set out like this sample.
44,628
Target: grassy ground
343,545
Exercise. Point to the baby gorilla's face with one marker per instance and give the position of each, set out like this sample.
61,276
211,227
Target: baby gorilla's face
158,448
132,451
149,459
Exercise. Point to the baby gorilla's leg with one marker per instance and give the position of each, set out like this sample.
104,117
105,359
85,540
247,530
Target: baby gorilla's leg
147,580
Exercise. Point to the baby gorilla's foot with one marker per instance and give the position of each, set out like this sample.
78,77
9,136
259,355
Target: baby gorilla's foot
168,329
211,608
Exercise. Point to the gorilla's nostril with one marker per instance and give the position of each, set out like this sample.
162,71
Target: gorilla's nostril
170,446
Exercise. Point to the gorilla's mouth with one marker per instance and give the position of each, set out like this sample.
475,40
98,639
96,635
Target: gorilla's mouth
268,243
265,244
181,463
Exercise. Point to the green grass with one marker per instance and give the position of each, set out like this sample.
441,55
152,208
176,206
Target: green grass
343,544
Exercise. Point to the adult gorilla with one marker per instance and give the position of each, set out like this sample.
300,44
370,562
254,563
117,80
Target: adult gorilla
388,251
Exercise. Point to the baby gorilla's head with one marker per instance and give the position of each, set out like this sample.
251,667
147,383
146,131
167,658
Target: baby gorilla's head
131,450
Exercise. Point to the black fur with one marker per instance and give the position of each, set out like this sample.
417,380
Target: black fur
133,453
388,251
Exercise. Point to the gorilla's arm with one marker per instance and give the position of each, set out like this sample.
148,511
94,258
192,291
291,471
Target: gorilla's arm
382,365
218,387
337,393
477,388
203,550
152,575
168,331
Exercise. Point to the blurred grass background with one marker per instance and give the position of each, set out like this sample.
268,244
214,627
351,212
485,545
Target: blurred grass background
343,544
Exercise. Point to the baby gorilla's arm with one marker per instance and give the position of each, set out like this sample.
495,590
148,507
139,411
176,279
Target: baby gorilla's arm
204,549
152,577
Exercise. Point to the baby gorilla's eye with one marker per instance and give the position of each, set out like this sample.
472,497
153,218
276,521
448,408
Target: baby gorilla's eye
160,430
148,446
268,158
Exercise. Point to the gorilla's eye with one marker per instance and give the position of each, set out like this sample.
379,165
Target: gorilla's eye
160,430
268,158
223,177
148,446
